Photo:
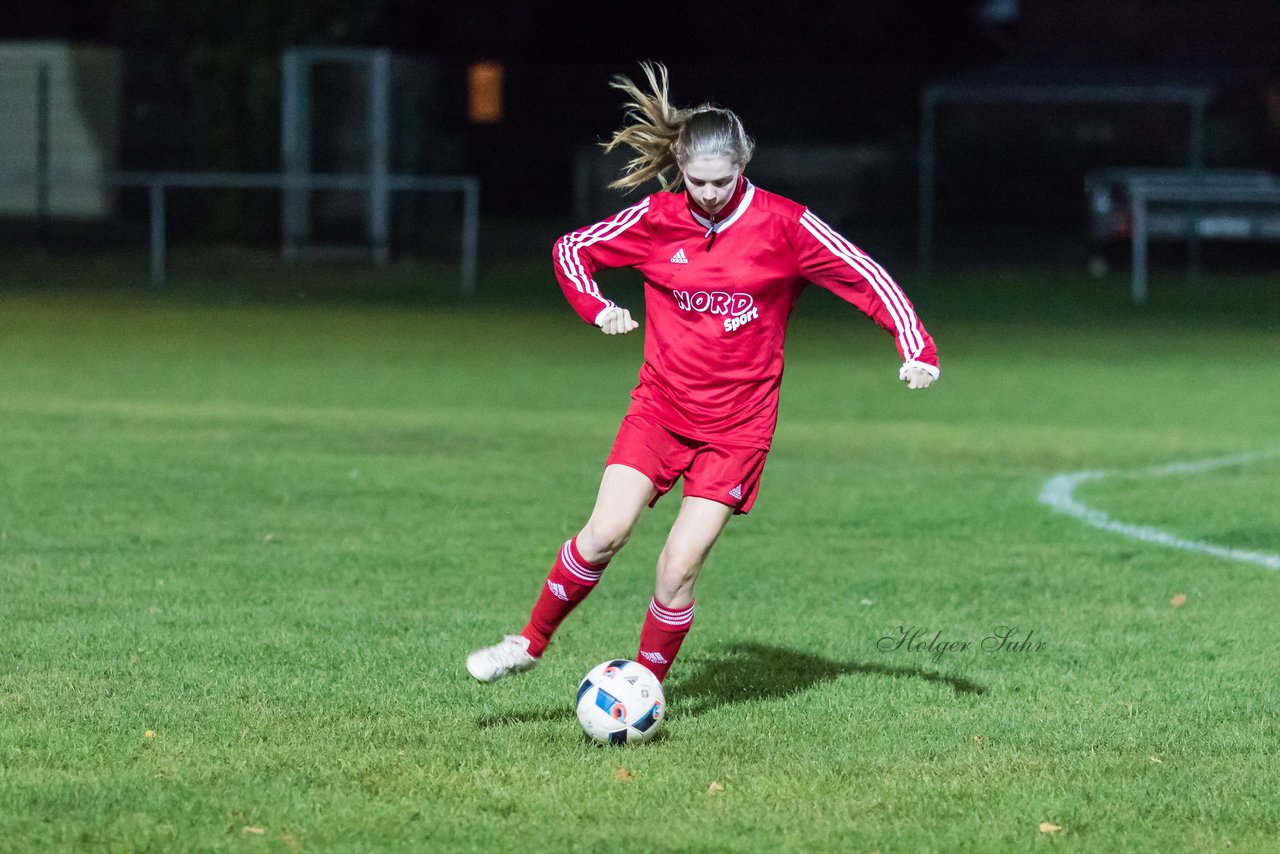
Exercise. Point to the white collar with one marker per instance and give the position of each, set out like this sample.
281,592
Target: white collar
720,225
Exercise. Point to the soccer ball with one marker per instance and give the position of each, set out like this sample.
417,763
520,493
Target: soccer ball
621,702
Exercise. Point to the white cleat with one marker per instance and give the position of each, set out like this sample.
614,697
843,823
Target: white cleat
502,659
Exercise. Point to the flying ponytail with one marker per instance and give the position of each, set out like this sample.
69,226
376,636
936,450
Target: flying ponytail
665,136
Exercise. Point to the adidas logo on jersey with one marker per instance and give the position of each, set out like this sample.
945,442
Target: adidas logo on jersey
655,657
679,257
736,492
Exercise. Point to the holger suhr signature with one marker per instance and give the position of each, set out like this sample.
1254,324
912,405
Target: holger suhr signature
924,641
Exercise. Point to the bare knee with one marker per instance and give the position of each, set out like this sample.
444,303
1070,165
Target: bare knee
602,538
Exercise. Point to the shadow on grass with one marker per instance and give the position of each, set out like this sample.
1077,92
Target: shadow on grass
752,671
746,672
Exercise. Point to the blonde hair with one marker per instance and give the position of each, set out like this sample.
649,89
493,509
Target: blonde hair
666,136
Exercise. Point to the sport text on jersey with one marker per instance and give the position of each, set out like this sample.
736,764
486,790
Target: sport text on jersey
740,307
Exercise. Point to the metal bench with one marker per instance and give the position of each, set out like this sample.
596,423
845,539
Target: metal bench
1143,205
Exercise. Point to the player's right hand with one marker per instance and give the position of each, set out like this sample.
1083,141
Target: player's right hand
617,321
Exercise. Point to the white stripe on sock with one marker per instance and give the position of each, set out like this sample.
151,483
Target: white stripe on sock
589,576
677,619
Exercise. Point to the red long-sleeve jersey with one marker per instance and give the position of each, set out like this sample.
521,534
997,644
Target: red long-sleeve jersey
718,294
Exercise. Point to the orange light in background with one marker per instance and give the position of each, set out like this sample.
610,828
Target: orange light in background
485,84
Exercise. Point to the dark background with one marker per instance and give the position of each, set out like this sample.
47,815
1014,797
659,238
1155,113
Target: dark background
202,83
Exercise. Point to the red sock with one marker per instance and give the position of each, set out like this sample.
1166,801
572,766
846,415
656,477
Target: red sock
660,639
570,580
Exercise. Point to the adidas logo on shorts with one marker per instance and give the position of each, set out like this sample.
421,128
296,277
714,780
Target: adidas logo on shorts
736,492
679,257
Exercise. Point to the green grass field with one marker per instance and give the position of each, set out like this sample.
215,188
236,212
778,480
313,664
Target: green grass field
246,544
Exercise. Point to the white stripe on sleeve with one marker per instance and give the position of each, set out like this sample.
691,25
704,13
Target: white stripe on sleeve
904,317
571,244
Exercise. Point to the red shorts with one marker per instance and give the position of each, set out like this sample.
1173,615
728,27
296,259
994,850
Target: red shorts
729,474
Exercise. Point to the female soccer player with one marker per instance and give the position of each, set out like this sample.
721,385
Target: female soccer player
724,263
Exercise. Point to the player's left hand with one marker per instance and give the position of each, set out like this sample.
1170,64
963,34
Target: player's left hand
915,377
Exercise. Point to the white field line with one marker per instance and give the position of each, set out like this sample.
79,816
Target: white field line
1058,493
